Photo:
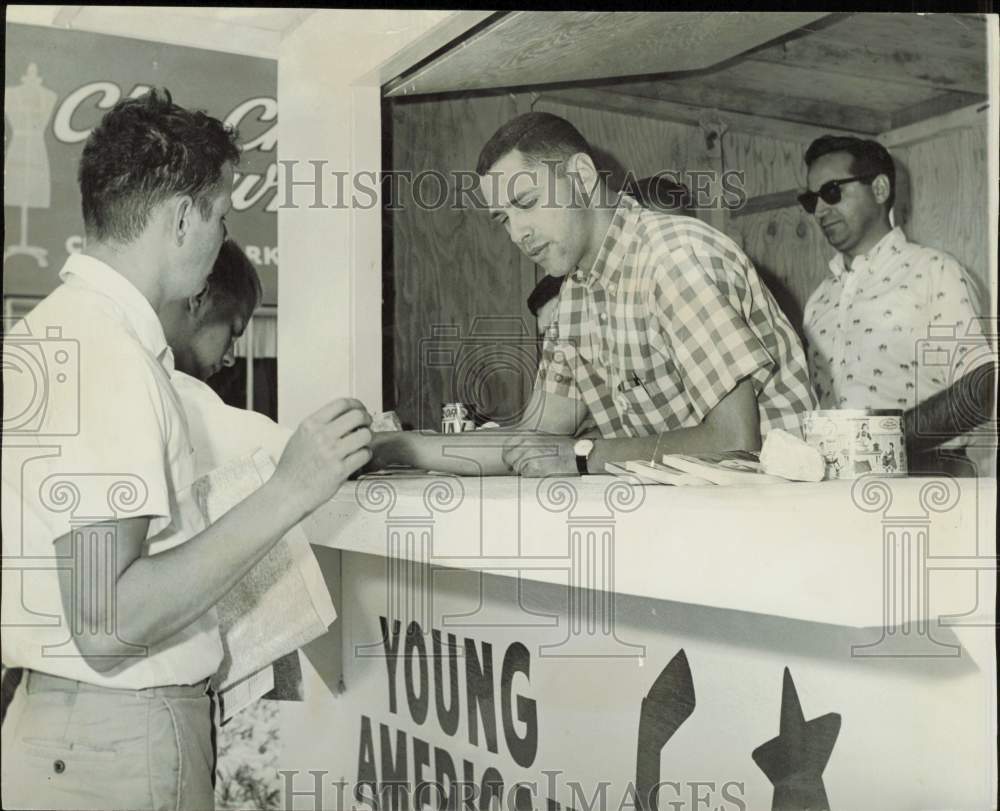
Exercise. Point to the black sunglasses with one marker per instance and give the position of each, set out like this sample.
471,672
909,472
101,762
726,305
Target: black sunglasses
829,192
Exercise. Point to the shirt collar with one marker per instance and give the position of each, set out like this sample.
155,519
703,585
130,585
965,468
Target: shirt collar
626,211
86,271
895,238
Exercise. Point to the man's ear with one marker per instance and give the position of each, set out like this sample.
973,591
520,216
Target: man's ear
582,171
182,213
200,302
881,188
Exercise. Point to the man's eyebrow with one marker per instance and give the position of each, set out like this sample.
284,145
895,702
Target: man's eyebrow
515,201
519,198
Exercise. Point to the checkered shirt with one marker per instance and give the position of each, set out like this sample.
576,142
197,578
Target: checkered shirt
669,319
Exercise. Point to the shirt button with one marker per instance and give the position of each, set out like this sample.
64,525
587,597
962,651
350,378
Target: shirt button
59,767
603,318
558,357
612,289
559,378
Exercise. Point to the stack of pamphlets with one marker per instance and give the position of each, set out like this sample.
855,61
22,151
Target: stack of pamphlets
685,470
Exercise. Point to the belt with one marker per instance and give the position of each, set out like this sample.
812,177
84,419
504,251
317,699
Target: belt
43,682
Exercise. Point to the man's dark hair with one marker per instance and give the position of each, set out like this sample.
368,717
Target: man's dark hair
546,290
867,157
144,151
660,193
538,136
233,286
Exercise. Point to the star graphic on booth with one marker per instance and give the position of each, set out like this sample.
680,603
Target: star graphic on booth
794,761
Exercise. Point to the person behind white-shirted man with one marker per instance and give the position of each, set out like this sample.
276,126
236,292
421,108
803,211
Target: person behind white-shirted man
202,331
114,710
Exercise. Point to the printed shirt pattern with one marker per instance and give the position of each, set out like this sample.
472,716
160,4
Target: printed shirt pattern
893,329
669,319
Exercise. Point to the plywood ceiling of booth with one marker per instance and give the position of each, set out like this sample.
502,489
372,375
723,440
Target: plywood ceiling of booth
858,72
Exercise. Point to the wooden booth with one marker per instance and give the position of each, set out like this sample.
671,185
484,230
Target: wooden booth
585,643
576,643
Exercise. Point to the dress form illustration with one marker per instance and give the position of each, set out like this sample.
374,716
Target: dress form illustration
27,183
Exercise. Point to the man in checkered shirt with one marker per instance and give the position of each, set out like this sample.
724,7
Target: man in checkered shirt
664,335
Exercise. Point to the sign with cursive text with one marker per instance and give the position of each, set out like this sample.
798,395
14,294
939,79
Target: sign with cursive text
59,84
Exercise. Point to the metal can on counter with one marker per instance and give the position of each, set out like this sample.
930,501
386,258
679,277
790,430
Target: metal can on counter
857,442
455,419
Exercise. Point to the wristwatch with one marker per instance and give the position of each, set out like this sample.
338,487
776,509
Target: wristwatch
583,448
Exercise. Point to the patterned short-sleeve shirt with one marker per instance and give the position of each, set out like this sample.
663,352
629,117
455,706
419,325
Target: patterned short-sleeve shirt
669,319
893,328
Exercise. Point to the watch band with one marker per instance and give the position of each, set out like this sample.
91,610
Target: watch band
582,450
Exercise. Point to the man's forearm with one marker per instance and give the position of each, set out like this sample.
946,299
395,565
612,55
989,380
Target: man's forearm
963,406
161,594
474,453
702,438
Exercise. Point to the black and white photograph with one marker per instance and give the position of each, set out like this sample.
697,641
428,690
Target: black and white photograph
487,410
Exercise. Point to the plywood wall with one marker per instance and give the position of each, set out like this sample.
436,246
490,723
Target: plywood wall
786,245
455,273
453,266
946,206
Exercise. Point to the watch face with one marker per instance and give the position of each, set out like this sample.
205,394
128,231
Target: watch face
583,447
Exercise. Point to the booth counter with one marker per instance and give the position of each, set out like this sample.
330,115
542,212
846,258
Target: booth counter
581,641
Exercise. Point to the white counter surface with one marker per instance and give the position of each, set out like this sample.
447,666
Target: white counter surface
869,553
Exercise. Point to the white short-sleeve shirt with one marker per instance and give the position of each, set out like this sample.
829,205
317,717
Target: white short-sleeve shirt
93,432
221,433
893,329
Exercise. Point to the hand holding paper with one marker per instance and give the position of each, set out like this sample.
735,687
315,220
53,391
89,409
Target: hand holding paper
326,448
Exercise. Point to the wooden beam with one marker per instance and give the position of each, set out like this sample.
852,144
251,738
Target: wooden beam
769,95
945,35
910,64
394,74
690,114
935,108
971,116
767,202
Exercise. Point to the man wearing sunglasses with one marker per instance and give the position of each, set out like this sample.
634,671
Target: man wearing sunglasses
868,322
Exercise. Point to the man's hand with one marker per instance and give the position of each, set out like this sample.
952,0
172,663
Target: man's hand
541,455
326,448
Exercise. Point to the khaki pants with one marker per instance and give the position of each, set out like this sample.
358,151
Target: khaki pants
71,745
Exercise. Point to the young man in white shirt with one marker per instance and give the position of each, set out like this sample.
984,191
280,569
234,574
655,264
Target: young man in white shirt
109,583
